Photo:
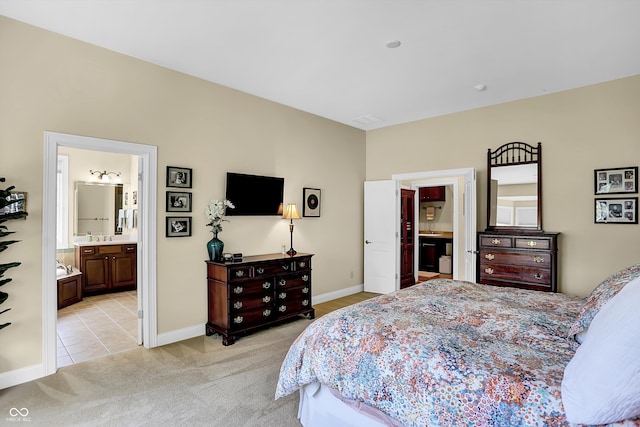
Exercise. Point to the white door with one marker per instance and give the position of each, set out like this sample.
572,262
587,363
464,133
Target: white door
381,227
469,212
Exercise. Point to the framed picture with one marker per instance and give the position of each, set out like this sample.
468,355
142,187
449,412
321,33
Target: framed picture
18,206
616,181
311,202
178,202
179,177
178,226
616,211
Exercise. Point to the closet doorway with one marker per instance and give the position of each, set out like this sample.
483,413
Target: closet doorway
146,235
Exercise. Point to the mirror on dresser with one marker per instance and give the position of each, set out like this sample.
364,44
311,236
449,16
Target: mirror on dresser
514,250
98,208
514,190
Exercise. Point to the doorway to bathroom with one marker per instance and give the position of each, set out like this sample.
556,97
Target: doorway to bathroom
144,159
97,211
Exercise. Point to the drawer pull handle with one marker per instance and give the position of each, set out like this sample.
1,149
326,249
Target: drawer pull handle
489,256
282,282
239,273
266,285
238,290
266,313
266,299
237,305
488,270
302,264
538,276
538,259
282,308
305,290
305,302
305,278
531,243
285,267
496,241
260,270
282,295
238,319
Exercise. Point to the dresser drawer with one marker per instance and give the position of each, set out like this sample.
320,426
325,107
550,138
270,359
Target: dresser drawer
496,241
290,307
540,260
250,302
264,286
251,318
293,280
515,273
290,294
239,273
532,243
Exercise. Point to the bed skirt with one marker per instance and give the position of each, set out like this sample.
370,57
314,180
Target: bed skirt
320,406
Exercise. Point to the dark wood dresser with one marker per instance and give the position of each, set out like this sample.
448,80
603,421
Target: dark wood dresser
258,291
528,261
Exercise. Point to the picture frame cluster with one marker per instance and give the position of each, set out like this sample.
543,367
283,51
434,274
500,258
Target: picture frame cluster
616,210
178,201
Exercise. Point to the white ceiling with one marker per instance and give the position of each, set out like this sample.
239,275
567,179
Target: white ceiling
329,57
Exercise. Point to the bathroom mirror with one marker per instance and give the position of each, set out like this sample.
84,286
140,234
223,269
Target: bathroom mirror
514,187
97,208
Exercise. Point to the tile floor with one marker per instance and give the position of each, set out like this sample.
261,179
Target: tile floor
96,327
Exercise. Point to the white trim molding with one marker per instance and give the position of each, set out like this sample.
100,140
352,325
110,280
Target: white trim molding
147,235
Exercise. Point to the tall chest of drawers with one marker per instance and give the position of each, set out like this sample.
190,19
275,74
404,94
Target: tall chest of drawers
528,261
259,291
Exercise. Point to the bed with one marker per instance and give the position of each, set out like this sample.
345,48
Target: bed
449,353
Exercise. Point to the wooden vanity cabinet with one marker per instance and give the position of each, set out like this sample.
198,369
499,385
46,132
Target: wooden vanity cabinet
432,194
107,268
527,261
258,291
69,289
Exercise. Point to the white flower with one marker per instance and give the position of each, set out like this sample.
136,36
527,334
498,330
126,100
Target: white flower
214,212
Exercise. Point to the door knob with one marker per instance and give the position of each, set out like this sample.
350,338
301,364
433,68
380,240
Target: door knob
367,242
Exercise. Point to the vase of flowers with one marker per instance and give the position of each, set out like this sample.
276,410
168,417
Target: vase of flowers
214,212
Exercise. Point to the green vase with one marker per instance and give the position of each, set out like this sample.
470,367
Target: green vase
215,247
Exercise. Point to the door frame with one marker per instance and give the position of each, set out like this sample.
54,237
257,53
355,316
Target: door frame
446,177
147,235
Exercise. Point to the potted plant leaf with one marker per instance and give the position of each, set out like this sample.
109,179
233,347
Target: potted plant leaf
6,214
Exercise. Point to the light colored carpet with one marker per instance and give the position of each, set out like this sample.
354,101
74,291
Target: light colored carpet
196,382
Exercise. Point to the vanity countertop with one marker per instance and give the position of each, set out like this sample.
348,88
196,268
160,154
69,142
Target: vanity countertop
103,243
436,234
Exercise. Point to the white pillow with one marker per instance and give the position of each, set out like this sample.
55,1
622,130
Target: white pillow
601,383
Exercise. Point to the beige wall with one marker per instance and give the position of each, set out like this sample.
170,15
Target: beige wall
52,83
580,130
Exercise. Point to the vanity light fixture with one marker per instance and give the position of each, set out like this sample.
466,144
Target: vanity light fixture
104,176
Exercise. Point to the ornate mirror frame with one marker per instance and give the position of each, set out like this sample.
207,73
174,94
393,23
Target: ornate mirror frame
514,154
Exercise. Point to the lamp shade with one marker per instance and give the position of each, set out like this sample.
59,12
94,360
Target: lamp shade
291,212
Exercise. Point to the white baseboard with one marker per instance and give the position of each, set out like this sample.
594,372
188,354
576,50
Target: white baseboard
181,334
318,299
21,376
198,330
30,373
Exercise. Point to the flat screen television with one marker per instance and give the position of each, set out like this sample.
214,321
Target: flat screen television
254,194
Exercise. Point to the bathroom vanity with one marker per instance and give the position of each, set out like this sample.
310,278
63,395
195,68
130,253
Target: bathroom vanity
107,267
69,288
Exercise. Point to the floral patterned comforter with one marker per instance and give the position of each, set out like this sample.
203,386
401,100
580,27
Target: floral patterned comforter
444,353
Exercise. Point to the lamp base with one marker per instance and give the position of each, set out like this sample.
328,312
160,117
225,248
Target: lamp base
291,252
